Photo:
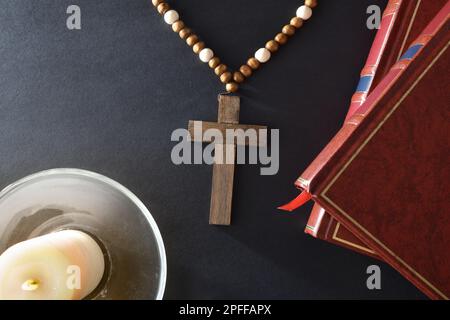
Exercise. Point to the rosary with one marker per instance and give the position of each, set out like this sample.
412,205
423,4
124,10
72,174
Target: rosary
229,105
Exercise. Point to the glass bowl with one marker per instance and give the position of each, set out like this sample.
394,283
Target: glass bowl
60,199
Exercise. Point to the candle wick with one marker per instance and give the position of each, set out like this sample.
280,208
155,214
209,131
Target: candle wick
30,285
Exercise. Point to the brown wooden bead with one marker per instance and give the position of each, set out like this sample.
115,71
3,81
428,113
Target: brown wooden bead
238,77
311,3
220,69
296,22
192,39
214,62
226,77
272,46
232,87
253,63
184,33
289,30
281,38
246,70
163,7
157,2
177,26
199,46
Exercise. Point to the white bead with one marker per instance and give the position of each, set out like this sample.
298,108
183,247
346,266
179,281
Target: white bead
262,55
206,55
304,12
171,16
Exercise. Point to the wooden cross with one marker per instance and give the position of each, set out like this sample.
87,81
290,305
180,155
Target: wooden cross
223,171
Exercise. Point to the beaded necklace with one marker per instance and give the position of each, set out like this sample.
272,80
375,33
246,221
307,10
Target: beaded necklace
229,105
231,79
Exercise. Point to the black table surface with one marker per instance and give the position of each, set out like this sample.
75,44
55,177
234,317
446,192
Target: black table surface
107,97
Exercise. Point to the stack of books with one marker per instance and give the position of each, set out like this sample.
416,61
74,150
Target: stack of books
381,186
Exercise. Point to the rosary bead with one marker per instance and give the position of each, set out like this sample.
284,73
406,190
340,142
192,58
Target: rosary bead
304,12
246,70
177,26
185,33
220,69
206,55
263,55
238,77
272,46
192,39
232,87
311,3
253,63
214,62
198,47
296,22
288,30
163,8
226,77
281,38
171,16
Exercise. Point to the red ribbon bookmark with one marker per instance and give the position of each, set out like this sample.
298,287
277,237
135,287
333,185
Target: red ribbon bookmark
303,198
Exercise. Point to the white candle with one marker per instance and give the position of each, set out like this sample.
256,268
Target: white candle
65,265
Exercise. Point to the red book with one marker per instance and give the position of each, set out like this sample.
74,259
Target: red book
402,22
385,175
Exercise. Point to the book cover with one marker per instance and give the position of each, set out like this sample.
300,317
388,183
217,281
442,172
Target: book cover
385,176
402,22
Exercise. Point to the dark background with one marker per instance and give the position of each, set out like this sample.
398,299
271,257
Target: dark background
108,97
